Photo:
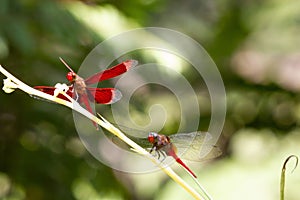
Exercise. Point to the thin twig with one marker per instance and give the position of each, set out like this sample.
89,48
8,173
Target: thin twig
282,179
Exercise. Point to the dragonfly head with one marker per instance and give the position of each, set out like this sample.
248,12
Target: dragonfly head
152,137
71,76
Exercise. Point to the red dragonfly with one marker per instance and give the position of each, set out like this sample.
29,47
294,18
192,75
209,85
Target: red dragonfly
195,146
80,91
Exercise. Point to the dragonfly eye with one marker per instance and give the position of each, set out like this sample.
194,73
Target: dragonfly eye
152,137
71,76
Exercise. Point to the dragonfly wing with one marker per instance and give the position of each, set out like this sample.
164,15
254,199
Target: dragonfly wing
104,95
195,146
143,142
188,139
50,90
111,72
133,133
138,136
202,153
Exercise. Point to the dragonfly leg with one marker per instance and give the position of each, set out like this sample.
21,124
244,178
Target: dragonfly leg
158,153
153,151
76,95
164,155
152,148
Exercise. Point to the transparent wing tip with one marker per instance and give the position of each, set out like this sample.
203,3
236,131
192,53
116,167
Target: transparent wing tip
131,63
117,95
210,152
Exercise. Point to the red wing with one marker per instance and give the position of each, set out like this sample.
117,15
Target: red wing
111,72
50,90
104,95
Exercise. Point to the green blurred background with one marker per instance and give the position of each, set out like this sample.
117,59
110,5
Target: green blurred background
255,44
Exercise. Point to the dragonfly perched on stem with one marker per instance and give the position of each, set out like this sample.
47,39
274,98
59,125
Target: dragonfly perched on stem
81,92
194,146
